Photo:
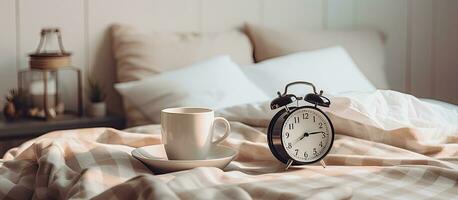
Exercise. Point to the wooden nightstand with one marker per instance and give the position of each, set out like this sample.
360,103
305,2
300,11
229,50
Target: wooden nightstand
13,133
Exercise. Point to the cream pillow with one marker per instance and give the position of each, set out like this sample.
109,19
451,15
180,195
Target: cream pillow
215,83
365,47
139,55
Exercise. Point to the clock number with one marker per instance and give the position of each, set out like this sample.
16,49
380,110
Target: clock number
314,151
320,124
290,145
305,116
287,134
296,119
324,135
291,126
321,143
306,155
297,151
313,118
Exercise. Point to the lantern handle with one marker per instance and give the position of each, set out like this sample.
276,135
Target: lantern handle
43,37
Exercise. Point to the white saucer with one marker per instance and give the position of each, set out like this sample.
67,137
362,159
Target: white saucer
155,158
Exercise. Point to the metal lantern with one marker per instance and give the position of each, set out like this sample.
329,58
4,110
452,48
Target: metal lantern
52,93
51,86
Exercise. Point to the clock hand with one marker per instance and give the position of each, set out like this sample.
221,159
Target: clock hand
300,138
317,132
305,135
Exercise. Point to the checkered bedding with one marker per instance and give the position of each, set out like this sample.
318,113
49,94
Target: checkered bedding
367,161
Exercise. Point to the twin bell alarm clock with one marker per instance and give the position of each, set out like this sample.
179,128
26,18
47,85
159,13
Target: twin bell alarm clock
300,135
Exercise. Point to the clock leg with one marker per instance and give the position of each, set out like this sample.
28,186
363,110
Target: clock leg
323,163
290,162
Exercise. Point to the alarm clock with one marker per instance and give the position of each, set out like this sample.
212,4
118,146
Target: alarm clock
300,135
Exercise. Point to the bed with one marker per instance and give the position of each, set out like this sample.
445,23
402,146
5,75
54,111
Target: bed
389,145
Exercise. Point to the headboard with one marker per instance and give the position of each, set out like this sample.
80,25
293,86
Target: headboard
421,35
186,15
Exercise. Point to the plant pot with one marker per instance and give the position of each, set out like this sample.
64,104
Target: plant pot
96,109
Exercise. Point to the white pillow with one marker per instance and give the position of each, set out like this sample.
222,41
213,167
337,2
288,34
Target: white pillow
214,83
330,69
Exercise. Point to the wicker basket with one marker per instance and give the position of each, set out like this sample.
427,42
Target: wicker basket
49,60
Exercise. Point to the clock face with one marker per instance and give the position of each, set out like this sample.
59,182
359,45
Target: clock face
307,135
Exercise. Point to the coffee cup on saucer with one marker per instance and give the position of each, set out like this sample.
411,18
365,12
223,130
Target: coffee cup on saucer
188,132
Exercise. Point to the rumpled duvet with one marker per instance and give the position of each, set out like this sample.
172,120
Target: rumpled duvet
388,146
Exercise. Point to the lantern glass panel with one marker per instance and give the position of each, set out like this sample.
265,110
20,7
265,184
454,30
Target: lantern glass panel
52,92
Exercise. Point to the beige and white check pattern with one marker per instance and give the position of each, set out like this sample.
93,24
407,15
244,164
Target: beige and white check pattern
96,163
372,163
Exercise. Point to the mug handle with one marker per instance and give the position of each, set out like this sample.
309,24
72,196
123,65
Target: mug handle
226,132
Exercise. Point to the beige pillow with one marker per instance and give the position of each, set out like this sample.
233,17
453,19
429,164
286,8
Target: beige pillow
364,46
139,55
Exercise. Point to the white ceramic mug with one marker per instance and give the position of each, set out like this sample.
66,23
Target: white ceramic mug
187,133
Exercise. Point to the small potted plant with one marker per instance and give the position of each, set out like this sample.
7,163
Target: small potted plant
97,105
15,104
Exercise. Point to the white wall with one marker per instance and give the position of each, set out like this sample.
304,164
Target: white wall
422,35
8,49
422,45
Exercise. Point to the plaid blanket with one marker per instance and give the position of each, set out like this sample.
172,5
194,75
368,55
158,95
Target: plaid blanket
367,161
